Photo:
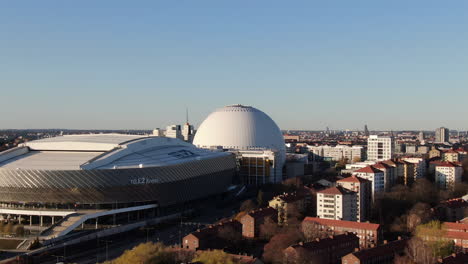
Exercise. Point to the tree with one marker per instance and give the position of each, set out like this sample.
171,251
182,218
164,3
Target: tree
433,235
273,250
419,214
311,231
260,200
247,206
268,229
214,257
146,253
229,234
417,252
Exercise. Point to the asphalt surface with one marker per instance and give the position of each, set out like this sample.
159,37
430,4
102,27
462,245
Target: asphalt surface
112,247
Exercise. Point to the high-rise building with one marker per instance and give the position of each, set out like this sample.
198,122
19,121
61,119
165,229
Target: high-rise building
188,132
337,203
379,148
158,132
442,135
374,175
362,187
366,131
421,137
174,131
448,174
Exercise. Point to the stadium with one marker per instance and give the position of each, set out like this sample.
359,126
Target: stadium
111,170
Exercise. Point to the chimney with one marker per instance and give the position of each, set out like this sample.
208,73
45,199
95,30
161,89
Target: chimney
385,242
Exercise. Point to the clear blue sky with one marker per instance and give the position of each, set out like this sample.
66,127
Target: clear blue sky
308,64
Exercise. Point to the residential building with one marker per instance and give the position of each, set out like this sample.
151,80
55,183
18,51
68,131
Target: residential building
369,234
336,153
457,232
379,148
158,132
252,220
450,155
419,166
423,149
209,238
448,175
442,135
389,174
363,189
174,131
434,152
452,210
337,203
382,254
328,250
376,177
287,204
188,132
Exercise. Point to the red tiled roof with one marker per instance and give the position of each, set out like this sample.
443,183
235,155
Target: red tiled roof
369,169
262,212
353,179
326,242
456,226
457,235
335,190
391,248
447,164
450,151
342,223
381,165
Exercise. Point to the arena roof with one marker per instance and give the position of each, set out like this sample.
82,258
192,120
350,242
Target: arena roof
101,151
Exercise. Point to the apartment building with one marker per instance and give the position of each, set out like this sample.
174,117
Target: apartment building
337,203
375,176
369,234
379,148
363,189
448,175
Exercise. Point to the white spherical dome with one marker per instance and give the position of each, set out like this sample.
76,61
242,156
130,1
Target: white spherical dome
240,127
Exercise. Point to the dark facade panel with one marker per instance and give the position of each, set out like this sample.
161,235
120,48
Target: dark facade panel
166,185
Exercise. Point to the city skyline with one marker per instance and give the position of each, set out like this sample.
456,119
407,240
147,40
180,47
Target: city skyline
115,65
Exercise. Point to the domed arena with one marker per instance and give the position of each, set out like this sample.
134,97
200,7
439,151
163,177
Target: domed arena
250,133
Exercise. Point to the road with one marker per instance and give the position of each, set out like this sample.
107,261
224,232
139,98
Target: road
111,247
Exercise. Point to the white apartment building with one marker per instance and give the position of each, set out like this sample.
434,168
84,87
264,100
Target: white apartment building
379,148
419,167
174,131
188,132
337,203
375,176
337,153
448,174
362,187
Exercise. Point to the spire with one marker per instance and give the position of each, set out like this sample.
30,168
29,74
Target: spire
186,115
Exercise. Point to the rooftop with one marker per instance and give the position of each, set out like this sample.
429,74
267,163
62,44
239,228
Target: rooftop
342,223
353,179
369,169
101,151
389,248
336,190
